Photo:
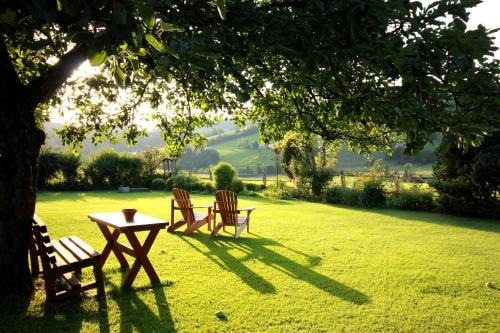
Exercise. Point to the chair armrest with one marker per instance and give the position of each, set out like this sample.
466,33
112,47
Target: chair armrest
247,209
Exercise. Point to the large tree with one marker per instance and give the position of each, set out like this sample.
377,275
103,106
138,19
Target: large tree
353,70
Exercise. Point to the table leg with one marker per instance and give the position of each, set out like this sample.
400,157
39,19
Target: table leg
141,260
110,246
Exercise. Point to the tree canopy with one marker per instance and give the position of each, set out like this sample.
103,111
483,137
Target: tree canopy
361,71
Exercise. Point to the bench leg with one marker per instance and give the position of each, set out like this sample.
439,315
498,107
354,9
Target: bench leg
98,278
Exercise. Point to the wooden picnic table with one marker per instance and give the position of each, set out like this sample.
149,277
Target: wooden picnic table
116,221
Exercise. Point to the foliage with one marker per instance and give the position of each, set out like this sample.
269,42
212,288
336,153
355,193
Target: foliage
48,165
468,181
372,194
151,159
426,156
53,162
208,187
185,182
158,184
109,169
343,196
237,185
308,161
394,67
197,159
223,175
413,198
254,187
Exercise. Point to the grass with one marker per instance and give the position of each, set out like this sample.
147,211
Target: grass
305,267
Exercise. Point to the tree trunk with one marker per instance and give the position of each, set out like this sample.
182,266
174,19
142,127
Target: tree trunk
20,142
20,145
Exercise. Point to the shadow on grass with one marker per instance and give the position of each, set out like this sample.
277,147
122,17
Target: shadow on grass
481,224
258,249
67,316
137,316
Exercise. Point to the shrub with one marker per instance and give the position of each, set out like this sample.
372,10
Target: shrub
237,185
342,195
254,187
48,166
414,198
223,175
208,188
468,181
59,166
109,169
372,194
158,184
185,182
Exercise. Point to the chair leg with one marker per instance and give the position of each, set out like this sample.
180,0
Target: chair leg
98,278
175,226
50,288
216,229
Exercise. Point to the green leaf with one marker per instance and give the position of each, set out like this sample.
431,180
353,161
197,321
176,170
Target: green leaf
148,16
171,27
97,53
8,16
160,46
221,8
119,76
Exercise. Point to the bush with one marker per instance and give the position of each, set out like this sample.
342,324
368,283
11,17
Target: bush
223,175
254,187
60,169
342,196
237,185
468,181
109,169
158,184
185,182
372,194
414,198
208,188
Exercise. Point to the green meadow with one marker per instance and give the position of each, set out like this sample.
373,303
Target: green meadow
304,267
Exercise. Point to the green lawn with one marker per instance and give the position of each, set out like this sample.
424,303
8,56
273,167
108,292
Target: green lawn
306,267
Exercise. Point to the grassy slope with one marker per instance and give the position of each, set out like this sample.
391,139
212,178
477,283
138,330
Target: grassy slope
240,158
306,267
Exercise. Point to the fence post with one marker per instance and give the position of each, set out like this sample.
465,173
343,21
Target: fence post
264,180
342,178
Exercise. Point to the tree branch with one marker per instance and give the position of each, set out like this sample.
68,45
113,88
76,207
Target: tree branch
43,87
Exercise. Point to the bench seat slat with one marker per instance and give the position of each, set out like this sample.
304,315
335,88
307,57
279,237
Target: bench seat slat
83,246
64,254
74,249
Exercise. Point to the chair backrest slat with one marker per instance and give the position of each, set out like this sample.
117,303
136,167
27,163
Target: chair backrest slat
42,239
184,203
227,203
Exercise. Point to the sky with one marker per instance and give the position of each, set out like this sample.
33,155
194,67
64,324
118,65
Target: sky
486,13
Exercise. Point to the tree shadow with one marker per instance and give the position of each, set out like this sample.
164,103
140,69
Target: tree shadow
480,224
136,316
66,316
259,249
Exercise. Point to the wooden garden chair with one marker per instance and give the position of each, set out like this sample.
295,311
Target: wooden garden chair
62,258
226,205
189,217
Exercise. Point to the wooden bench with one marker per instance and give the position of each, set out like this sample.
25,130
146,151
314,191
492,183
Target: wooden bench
62,258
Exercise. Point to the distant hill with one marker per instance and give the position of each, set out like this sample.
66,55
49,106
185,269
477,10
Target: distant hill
152,140
241,148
